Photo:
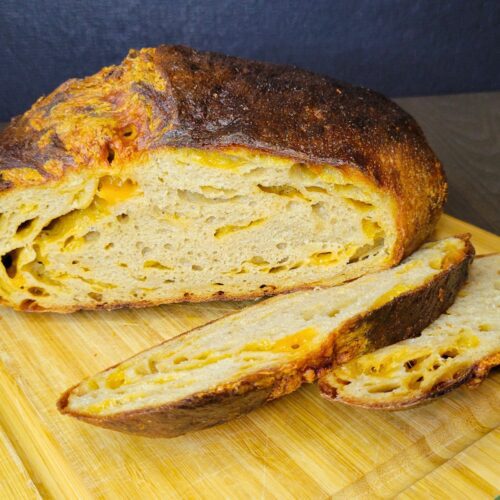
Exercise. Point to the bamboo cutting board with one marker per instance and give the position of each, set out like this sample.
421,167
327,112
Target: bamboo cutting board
298,447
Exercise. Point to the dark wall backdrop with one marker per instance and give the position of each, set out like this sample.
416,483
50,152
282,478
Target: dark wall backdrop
400,47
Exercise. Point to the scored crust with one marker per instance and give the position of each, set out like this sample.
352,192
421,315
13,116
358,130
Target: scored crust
174,96
401,318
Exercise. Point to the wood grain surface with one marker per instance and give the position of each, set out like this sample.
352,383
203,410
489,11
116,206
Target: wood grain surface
301,446
15,480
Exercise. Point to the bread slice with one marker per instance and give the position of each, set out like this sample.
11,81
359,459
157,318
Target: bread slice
460,347
189,176
232,365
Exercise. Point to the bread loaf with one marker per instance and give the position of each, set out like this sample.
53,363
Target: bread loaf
460,347
232,365
189,176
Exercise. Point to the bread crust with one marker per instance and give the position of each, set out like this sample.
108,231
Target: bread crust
174,96
401,318
472,376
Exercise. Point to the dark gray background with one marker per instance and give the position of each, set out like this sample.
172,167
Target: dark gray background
400,47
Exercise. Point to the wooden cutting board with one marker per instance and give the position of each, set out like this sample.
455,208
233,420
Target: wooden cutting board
298,447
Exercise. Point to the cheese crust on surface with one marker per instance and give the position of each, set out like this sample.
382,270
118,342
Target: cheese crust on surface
460,347
230,366
188,176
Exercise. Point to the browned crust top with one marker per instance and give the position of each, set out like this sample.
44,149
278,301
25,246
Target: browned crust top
203,99
174,96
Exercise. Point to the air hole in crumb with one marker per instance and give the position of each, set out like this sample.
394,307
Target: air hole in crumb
333,313
277,269
485,327
295,346
152,366
258,260
145,251
111,155
38,292
281,246
319,210
92,236
9,261
24,226
95,296
74,262
109,246
179,360
123,264
129,131
410,364
195,267
28,304
167,246
122,218
341,381
450,353
50,225
67,241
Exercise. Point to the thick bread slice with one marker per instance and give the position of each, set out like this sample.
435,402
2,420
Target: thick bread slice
228,367
188,176
460,347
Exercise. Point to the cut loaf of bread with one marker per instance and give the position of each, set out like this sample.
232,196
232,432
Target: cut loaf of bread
460,347
188,176
232,365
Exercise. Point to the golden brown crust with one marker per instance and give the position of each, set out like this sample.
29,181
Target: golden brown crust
401,318
173,96
31,305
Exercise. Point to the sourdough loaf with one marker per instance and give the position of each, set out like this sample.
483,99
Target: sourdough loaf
186,176
230,366
460,347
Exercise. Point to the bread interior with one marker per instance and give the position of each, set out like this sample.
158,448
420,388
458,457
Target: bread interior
275,334
407,372
186,224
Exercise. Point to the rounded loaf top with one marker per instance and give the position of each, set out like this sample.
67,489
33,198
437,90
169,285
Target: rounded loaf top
175,96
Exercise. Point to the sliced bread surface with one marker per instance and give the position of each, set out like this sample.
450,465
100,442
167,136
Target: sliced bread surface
230,366
181,175
460,347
